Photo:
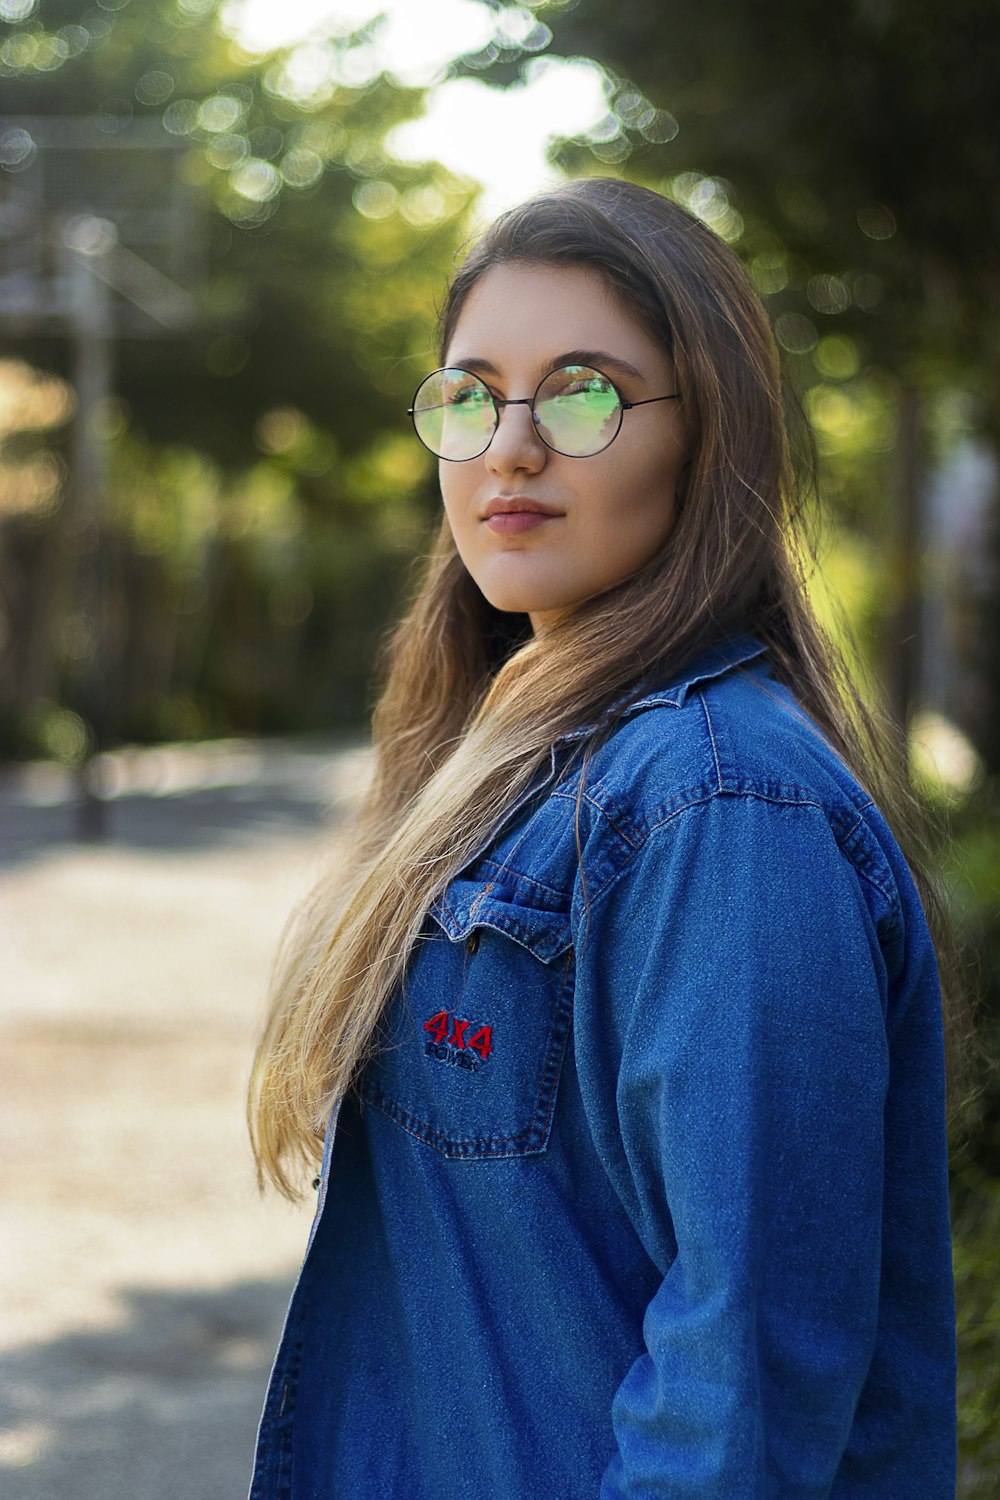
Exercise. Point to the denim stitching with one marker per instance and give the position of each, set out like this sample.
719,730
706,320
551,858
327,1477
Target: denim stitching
781,793
617,819
478,900
832,817
865,862
696,792
711,734
544,945
555,1051
273,1459
611,811
519,879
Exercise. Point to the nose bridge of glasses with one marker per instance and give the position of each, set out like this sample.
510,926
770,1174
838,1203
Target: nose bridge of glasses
500,403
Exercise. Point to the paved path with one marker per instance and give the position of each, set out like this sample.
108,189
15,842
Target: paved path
142,1279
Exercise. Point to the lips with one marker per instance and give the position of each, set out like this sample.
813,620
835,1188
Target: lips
508,505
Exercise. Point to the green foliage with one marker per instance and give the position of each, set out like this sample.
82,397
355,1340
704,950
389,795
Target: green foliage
976,1225
306,290
264,494
972,868
854,147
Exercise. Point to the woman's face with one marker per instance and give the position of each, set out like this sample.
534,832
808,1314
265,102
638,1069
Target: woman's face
609,513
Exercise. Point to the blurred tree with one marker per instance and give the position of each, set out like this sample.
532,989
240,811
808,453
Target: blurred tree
300,194
861,141
279,417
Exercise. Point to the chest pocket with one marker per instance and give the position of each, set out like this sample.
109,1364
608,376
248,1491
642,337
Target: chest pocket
475,1041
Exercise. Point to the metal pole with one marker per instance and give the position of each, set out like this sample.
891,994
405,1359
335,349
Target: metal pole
86,241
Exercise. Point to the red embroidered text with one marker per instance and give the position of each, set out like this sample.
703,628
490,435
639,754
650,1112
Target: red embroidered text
450,1041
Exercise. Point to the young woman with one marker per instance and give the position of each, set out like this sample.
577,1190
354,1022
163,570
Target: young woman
621,1016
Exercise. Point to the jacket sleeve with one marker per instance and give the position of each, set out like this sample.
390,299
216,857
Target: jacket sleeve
742,961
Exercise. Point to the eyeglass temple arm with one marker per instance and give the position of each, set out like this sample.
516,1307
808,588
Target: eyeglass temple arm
628,405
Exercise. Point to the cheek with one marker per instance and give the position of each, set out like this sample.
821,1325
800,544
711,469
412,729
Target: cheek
458,489
636,502
450,485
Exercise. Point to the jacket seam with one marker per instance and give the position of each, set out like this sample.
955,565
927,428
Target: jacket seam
617,819
711,734
709,794
500,872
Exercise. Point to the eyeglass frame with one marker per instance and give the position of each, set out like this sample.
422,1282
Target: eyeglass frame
499,402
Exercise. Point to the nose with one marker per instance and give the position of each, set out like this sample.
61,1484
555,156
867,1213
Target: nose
516,445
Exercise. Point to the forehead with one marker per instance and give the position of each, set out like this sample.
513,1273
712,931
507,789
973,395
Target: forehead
522,316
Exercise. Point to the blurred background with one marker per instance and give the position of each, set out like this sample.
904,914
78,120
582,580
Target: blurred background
225,227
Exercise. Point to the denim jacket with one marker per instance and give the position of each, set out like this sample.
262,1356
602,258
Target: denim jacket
645,1193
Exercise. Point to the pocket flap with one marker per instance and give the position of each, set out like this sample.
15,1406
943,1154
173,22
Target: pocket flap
468,904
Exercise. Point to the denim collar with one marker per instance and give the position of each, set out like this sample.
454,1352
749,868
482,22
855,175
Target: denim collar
734,651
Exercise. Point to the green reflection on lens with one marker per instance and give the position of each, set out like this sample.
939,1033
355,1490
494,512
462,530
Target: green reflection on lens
578,411
454,414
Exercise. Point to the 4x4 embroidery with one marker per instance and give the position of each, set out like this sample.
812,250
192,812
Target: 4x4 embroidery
449,1042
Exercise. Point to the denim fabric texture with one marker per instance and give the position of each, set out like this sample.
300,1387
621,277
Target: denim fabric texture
645,1194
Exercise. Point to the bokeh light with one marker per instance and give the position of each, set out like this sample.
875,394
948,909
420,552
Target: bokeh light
496,137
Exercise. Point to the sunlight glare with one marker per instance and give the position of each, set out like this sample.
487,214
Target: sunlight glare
495,136
499,137
414,42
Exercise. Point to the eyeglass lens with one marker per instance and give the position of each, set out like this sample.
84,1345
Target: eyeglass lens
577,412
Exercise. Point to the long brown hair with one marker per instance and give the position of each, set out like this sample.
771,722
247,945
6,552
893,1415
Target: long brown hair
472,702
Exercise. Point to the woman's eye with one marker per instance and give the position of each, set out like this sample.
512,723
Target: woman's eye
469,395
585,386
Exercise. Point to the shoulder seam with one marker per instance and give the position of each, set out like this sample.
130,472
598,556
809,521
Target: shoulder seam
841,837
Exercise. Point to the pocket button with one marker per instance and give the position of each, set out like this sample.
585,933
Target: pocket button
472,941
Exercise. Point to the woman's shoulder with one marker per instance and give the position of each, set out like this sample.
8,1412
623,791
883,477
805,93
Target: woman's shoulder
720,746
724,743
724,726
716,776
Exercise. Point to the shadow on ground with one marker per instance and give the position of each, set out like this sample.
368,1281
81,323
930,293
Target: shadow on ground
163,1407
180,798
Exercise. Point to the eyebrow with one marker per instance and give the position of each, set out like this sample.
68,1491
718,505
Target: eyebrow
599,359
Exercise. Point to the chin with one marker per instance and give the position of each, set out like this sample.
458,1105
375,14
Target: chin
517,604
511,598
506,606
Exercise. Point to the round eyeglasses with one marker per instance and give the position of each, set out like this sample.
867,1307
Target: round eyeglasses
577,411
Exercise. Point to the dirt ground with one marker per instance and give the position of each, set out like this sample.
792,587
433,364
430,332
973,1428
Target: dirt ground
142,1279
